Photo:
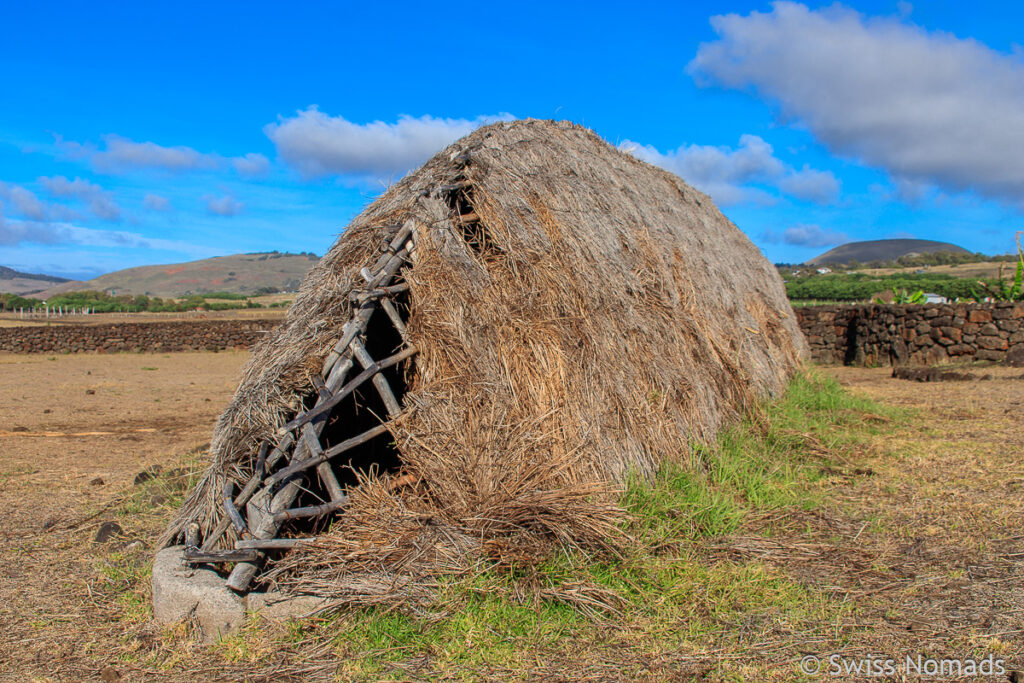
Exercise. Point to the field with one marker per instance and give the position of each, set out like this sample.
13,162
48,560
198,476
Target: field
977,271
8,319
872,515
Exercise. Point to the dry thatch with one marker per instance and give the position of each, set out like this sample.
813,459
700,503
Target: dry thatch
592,317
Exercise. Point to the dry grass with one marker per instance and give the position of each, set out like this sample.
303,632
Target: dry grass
892,532
985,269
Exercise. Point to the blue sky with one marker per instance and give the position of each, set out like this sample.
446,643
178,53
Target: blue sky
140,133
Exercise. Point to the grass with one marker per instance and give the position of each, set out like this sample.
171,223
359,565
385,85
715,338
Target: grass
661,596
770,460
661,599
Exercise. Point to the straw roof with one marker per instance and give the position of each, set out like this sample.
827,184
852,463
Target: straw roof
596,317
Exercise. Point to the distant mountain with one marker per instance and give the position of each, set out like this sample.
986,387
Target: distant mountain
236,274
881,250
16,282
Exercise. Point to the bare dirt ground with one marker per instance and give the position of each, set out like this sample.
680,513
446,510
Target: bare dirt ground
75,430
921,538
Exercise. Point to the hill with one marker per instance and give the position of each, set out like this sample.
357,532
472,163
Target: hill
881,250
237,274
16,282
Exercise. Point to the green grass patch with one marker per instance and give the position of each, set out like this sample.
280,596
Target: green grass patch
482,631
772,459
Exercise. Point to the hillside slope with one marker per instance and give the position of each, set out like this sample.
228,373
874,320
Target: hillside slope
237,274
16,282
881,250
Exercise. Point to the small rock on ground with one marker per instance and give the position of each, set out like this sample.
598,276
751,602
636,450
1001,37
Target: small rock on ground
108,531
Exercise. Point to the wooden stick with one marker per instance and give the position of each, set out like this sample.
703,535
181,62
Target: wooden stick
470,217
395,244
331,452
389,308
354,383
278,452
262,461
273,543
379,381
339,372
243,573
261,457
349,332
358,323
452,187
391,267
396,319
233,514
323,468
381,292
310,511
312,440
321,387
200,556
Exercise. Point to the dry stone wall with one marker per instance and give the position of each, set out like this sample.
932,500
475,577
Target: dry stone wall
931,333
854,335
210,335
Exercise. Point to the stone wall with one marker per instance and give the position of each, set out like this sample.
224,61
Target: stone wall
931,333
198,335
858,335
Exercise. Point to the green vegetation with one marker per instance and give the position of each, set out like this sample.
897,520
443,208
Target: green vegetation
225,295
863,287
804,284
102,302
902,296
1005,291
762,463
937,258
661,588
12,302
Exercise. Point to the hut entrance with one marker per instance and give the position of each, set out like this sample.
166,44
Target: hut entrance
338,436
364,409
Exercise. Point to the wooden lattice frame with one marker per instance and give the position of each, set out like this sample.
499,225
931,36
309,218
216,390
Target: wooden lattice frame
259,510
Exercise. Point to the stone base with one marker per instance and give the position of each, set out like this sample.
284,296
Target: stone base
181,591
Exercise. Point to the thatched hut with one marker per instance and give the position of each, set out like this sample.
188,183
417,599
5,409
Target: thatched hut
504,334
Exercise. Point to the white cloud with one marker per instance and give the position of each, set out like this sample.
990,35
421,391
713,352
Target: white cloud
252,165
318,145
100,202
806,236
23,202
223,206
121,155
928,107
730,175
155,202
17,232
911,191
820,187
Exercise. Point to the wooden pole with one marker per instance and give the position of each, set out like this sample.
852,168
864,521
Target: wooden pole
243,573
311,511
331,452
325,406
379,381
273,543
